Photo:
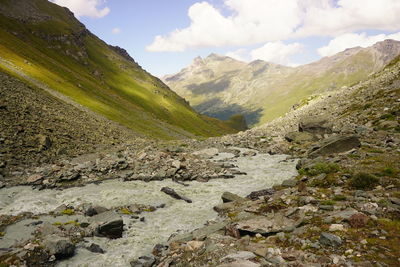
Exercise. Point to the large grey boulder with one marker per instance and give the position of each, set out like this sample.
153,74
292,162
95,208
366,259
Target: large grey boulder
315,125
334,144
61,248
144,261
108,224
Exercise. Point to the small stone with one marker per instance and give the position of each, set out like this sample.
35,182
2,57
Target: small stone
95,248
194,245
330,240
336,227
144,261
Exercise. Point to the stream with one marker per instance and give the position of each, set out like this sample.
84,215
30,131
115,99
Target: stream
263,171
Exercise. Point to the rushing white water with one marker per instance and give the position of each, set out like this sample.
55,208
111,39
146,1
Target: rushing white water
262,170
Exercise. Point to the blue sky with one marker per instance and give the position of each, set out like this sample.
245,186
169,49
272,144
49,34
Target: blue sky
290,32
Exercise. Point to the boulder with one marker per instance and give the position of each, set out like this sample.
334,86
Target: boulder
334,144
230,197
199,233
94,210
261,193
108,224
300,137
272,223
61,248
315,125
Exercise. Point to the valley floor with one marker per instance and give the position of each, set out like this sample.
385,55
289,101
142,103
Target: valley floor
340,208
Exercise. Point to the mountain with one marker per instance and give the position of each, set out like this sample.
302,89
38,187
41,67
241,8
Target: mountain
44,45
220,86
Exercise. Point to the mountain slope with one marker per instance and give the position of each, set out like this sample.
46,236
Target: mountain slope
45,45
264,91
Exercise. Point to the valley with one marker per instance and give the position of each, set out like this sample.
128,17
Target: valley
226,163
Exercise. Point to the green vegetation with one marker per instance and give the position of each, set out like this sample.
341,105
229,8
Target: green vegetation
319,168
61,55
68,212
363,181
339,198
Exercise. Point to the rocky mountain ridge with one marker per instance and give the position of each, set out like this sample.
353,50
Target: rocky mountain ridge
221,86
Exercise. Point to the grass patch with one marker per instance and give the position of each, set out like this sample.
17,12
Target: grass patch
363,181
68,212
339,198
320,168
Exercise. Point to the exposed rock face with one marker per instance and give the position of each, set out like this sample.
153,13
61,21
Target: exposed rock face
335,144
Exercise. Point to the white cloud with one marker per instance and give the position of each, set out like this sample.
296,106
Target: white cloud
116,31
348,40
87,8
276,52
351,15
260,21
240,54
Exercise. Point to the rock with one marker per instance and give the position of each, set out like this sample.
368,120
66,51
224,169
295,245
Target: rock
330,240
336,227
61,248
343,215
272,223
224,207
358,220
108,224
240,255
144,261
94,210
95,248
257,194
230,197
172,193
289,183
334,144
176,164
44,142
207,153
315,125
395,200
194,245
299,137
240,263
34,178
199,233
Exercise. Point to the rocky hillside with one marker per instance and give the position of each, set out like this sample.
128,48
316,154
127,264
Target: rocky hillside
46,46
343,209
221,86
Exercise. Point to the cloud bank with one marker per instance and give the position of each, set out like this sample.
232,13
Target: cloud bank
269,21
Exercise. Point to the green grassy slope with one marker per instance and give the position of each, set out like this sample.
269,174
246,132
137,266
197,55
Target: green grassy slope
55,49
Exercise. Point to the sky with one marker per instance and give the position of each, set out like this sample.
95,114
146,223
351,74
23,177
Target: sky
164,36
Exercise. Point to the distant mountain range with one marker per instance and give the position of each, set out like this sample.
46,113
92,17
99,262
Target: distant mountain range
44,45
221,86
